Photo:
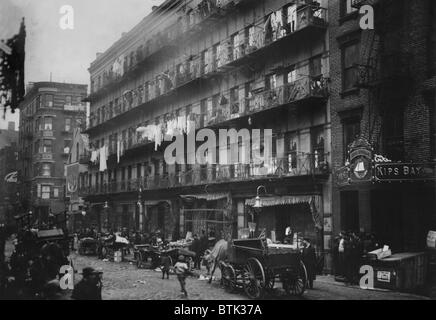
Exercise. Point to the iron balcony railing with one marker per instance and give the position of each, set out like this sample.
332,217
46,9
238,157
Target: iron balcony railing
295,165
229,56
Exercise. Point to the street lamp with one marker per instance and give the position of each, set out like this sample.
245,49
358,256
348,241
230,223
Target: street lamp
258,202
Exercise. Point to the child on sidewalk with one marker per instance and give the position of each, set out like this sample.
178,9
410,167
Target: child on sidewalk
182,271
165,262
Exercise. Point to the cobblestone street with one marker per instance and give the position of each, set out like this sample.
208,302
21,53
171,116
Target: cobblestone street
124,281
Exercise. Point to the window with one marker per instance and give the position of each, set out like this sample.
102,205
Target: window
68,124
351,129
48,123
271,82
45,192
68,100
47,147
67,146
49,100
46,170
315,67
291,75
292,152
234,100
318,146
350,57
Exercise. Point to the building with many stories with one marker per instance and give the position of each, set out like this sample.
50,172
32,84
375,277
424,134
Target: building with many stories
382,91
49,114
197,64
8,174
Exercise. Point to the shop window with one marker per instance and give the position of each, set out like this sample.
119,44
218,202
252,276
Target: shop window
351,128
45,192
350,58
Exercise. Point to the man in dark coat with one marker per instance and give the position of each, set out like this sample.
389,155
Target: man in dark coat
196,247
309,259
89,288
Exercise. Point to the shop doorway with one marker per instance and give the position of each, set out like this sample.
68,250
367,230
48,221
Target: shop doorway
350,211
298,217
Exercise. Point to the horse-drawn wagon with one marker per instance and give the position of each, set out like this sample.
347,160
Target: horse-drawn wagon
256,266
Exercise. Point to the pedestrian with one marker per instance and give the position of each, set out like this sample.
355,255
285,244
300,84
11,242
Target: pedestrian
89,288
196,247
309,259
182,271
165,266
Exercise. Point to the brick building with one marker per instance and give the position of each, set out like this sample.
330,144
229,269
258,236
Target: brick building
49,113
383,92
8,166
218,65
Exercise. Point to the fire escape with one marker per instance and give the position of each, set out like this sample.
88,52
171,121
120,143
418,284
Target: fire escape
383,68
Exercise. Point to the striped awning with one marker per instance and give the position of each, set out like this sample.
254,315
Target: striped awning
314,201
207,196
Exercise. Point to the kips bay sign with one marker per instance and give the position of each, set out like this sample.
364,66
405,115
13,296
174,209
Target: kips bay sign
364,166
404,171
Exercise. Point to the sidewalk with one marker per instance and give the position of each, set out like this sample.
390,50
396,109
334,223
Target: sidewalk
353,292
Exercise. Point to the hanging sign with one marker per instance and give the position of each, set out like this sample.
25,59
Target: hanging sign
404,171
360,154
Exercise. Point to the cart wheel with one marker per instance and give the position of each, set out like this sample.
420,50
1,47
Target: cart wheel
296,281
228,277
270,280
254,279
139,260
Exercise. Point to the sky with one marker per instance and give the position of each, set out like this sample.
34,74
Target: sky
67,54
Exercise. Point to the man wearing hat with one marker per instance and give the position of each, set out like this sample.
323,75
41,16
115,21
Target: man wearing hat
309,259
89,288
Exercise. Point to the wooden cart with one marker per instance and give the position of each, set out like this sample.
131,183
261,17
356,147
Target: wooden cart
255,267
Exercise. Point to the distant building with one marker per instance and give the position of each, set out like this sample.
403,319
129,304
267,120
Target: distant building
77,164
49,114
8,173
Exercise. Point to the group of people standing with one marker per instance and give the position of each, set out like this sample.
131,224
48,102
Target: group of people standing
350,249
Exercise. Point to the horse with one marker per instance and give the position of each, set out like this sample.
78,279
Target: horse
219,253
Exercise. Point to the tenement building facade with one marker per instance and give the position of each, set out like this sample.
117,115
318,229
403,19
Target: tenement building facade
383,121
193,65
49,113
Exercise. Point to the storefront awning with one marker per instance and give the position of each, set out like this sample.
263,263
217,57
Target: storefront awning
314,201
152,203
207,196
280,200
